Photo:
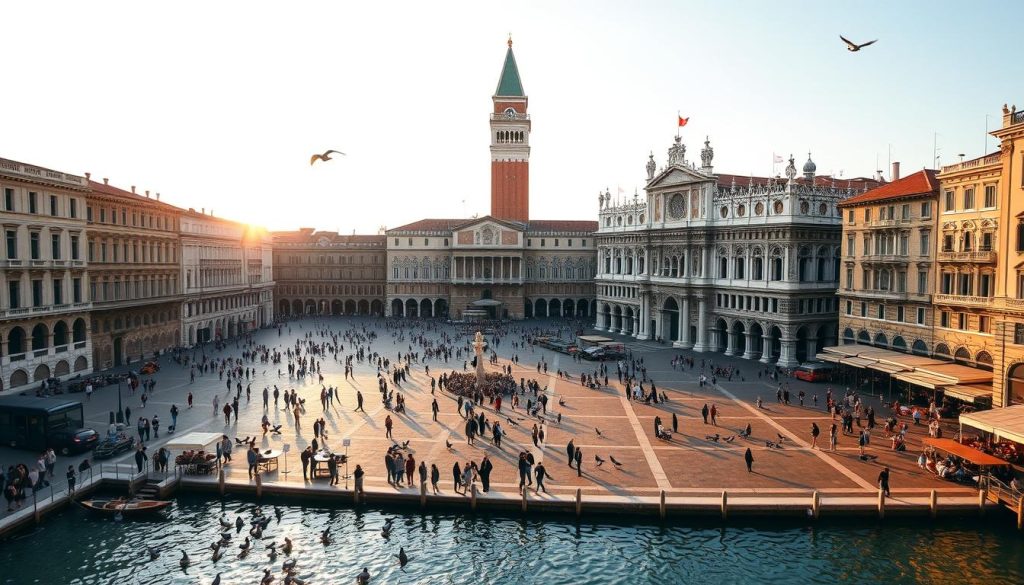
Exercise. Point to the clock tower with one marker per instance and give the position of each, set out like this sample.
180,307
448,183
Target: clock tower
510,145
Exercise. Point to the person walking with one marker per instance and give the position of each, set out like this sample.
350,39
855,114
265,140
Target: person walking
359,402
296,413
883,481
540,472
410,469
140,457
485,473
227,413
155,423
189,400
305,457
570,451
388,424
71,480
833,437
174,418
704,412
434,408
675,423
714,414
253,457
579,462
749,458
332,469
815,431
423,473
862,441
457,476
435,476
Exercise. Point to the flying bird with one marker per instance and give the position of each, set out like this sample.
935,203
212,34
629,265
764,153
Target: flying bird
616,463
448,444
853,47
327,155
599,461
598,431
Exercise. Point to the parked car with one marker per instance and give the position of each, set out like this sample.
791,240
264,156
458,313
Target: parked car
601,353
111,446
67,442
813,372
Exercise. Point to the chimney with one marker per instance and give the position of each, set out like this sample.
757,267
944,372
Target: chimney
133,188
896,171
158,197
106,181
202,210
147,193
88,176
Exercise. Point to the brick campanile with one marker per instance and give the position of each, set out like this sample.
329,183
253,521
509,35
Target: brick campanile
510,145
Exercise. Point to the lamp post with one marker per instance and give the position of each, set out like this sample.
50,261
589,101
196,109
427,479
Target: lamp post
120,411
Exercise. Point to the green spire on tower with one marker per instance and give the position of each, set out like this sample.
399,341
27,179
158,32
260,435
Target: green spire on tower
509,84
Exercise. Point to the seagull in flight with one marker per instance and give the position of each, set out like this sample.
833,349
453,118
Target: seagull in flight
854,47
327,155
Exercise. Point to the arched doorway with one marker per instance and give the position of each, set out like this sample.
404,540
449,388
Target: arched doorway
376,307
739,333
363,307
568,308
919,348
617,318
801,345
629,326
864,338
962,356
426,308
441,308
581,308
540,309
776,337
1014,384
881,340
670,320
555,308
350,307
336,307
283,307
721,343
42,373
397,308
296,307
60,336
310,307
527,309
118,350
756,340
411,308
899,344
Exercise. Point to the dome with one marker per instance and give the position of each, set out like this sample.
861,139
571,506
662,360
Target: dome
809,166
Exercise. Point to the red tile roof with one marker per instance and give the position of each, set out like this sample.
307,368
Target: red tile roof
307,235
922,182
106,189
429,225
557,225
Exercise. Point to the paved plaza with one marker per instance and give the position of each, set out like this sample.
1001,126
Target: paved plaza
688,465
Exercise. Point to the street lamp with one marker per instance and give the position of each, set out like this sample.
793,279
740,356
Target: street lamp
120,411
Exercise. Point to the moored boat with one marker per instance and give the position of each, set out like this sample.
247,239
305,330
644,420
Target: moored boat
125,506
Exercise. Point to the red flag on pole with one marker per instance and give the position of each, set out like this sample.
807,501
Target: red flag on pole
682,121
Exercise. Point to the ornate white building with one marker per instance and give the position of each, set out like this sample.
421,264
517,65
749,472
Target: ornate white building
748,266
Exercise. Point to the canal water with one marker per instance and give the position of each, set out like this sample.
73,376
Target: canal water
78,548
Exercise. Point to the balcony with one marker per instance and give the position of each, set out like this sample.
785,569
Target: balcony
970,164
516,116
980,257
881,295
963,300
11,263
886,258
888,223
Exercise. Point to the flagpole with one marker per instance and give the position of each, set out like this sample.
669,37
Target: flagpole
678,116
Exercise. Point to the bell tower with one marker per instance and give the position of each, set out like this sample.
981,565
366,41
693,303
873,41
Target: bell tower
510,145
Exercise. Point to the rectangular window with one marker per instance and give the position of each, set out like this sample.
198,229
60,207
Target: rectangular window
74,247
901,282
74,208
55,246
926,209
990,195
961,320
851,245
76,290
1018,333
88,213
37,293
12,244
53,205
849,307
922,282
14,294
947,243
969,198
904,245
905,211
33,240
58,291
944,319
949,205
103,215
984,321
986,242
867,215
849,278
881,312
926,243
33,202
849,216
900,314
103,252
863,309
8,199
920,315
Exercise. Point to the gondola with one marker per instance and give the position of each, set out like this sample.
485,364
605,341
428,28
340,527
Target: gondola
124,506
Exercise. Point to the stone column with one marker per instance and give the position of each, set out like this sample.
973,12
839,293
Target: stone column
812,348
787,353
702,326
730,342
748,352
766,349
645,309
684,341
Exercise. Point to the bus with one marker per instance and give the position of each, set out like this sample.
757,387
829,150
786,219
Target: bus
813,372
28,422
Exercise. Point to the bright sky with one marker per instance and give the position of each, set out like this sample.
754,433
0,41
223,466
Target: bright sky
220,104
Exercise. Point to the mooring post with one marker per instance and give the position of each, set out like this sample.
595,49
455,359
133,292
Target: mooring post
661,506
524,498
725,505
259,485
1020,513
220,480
982,496
933,503
881,503
579,502
423,495
472,498
815,504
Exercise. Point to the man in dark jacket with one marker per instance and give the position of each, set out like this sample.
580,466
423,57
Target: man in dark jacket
253,457
485,472
570,451
305,457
